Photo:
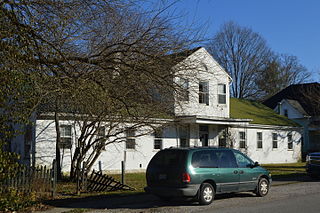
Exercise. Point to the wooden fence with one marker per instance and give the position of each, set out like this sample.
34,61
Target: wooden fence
41,180
99,182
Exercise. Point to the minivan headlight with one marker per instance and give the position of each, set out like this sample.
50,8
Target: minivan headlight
308,158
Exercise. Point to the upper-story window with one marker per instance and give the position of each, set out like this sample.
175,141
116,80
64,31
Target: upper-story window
222,94
183,94
204,92
285,112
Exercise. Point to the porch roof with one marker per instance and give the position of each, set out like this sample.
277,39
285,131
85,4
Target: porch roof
213,120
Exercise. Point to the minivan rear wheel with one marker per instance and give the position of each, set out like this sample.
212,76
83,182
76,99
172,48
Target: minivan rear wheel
262,188
207,194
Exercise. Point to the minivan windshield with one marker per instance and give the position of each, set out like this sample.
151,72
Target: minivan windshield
168,158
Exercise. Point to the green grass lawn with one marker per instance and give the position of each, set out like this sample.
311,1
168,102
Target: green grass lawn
286,170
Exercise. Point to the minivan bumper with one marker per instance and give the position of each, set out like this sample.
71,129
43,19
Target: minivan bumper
186,191
313,169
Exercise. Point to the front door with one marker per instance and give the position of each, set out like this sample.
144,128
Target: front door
204,135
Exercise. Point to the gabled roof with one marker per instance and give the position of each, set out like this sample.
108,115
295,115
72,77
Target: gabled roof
307,95
259,113
180,56
296,105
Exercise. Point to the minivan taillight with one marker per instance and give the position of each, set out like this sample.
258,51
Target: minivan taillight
186,178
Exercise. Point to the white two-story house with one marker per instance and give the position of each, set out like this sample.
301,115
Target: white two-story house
206,116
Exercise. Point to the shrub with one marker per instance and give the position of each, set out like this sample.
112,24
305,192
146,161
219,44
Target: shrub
12,200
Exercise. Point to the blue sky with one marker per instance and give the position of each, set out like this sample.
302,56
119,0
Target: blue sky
289,26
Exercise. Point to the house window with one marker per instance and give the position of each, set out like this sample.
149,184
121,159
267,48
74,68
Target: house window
130,139
290,142
157,139
184,136
259,140
286,112
27,141
222,91
204,93
65,136
183,94
101,137
274,140
242,136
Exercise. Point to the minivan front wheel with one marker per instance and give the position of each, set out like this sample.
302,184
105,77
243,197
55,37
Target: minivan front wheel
262,188
207,193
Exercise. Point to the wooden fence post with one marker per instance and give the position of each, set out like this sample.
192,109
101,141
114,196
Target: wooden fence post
122,171
54,178
84,176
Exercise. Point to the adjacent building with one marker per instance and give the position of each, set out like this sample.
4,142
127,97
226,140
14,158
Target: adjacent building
301,103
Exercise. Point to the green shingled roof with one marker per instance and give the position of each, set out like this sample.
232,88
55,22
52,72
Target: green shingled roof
259,113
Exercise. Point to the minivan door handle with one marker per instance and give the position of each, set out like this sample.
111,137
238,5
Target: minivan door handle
235,171
241,172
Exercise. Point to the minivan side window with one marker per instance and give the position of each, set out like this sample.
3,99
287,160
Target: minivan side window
226,159
242,160
204,159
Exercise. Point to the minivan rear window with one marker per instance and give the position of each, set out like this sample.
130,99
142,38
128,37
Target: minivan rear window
169,158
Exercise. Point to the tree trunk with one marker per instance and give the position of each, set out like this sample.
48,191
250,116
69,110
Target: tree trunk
58,155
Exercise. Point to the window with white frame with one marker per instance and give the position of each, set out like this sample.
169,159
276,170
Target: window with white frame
130,139
157,139
242,141
259,140
101,137
204,93
183,94
290,141
65,136
222,94
274,140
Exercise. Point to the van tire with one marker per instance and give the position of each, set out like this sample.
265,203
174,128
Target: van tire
206,194
165,199
262,187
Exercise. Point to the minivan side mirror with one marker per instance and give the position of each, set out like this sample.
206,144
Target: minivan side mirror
256,164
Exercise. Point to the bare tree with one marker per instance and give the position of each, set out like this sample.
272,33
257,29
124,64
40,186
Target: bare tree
241,52
107,64
280,72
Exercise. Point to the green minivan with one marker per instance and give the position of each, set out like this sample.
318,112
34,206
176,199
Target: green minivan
203,172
